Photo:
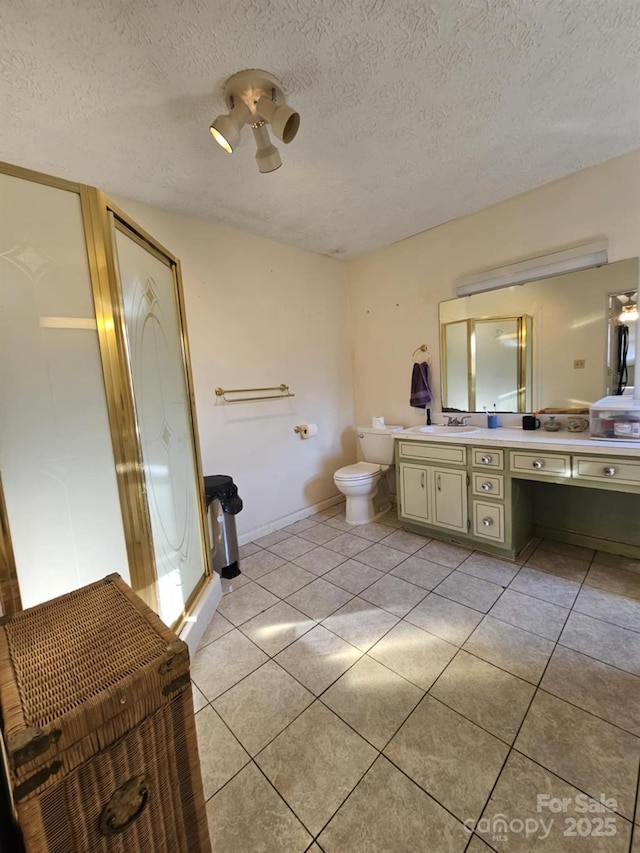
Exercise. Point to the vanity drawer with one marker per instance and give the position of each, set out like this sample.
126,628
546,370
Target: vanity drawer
455,453
541,464
483,458
610,470
489,485
488,521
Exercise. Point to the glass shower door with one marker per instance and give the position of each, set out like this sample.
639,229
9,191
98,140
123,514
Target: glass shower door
152,322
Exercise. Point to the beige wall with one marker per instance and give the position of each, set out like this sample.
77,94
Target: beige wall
260,314
394,293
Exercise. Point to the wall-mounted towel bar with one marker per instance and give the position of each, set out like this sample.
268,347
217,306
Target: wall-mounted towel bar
262,395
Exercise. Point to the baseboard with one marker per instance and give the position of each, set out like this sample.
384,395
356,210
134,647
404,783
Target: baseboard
202,614
289,519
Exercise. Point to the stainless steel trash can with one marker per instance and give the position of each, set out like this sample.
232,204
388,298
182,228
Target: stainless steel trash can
223,504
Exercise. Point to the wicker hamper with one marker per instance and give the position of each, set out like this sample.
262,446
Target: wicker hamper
97,717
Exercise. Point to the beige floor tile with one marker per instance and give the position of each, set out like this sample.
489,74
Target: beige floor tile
602,690
277,627
373,531
394,594
221,756
199,699
617,561
217,627
248,549
531,614
421,572
330,512
379,556
360,623
484,694
299,526
315,763
292,547
515,799
443,553
286,580
490,568
413,653
603,641
318,658
221,664
545,586
454,760
273,828
567,549
272,538
613,579
404,540
348,544
555,734
231,584
246,602
518,652
470,591
319,599
387,813
390,518
319,561
319,533
260,563
446,619
353,576
338,523
372,700
562,565
262,705
609,606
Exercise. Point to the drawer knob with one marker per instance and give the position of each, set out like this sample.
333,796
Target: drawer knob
487,521
538,463
486,487
609,471
486,460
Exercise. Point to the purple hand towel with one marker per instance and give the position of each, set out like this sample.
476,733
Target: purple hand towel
420,390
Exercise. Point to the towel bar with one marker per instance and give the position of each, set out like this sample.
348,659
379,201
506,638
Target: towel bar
283,389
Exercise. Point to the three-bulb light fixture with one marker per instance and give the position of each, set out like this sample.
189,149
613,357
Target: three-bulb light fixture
256,98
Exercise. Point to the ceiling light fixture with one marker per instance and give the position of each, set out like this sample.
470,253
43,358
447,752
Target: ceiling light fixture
256,98
534,269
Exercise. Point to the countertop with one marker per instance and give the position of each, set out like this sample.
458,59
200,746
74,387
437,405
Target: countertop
562,441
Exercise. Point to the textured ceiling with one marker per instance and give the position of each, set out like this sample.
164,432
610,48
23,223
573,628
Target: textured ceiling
413,112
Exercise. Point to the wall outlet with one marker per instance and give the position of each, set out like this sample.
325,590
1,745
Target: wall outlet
578,364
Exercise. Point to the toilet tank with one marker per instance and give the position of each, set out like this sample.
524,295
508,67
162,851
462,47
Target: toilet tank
376,445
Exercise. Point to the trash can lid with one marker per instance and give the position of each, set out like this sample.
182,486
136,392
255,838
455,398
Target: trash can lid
222,487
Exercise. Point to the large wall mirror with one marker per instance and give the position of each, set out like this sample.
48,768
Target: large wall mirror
555,343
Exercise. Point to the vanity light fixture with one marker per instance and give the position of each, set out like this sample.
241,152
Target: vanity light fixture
629,313
534,269
256,98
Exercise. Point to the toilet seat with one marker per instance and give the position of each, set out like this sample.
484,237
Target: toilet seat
359,471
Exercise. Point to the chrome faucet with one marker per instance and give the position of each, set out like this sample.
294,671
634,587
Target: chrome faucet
454,422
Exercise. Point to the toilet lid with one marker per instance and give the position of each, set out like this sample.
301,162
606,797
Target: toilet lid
357,471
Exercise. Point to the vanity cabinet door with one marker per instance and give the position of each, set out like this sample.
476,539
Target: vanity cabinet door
450,499
414,492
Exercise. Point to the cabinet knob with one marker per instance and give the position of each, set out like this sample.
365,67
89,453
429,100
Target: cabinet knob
486,460
486,487
538,463
487,521
609,471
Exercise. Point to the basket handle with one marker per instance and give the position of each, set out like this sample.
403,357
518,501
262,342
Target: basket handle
126,804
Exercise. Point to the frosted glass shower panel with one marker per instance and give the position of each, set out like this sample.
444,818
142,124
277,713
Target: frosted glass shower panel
56,456
152,322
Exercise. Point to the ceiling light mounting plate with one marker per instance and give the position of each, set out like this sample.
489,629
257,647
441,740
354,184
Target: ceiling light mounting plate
249,86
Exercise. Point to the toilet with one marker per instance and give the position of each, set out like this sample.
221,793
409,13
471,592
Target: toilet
366,484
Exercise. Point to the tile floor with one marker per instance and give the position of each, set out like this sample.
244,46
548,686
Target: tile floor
369,689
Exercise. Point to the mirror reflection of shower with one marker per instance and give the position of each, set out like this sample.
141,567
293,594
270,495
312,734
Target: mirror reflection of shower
622,343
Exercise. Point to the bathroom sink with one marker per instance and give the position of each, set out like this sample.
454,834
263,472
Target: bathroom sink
445,430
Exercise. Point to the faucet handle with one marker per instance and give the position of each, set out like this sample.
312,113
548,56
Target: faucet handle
464,421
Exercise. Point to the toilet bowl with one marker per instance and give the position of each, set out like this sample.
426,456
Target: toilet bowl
366,484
